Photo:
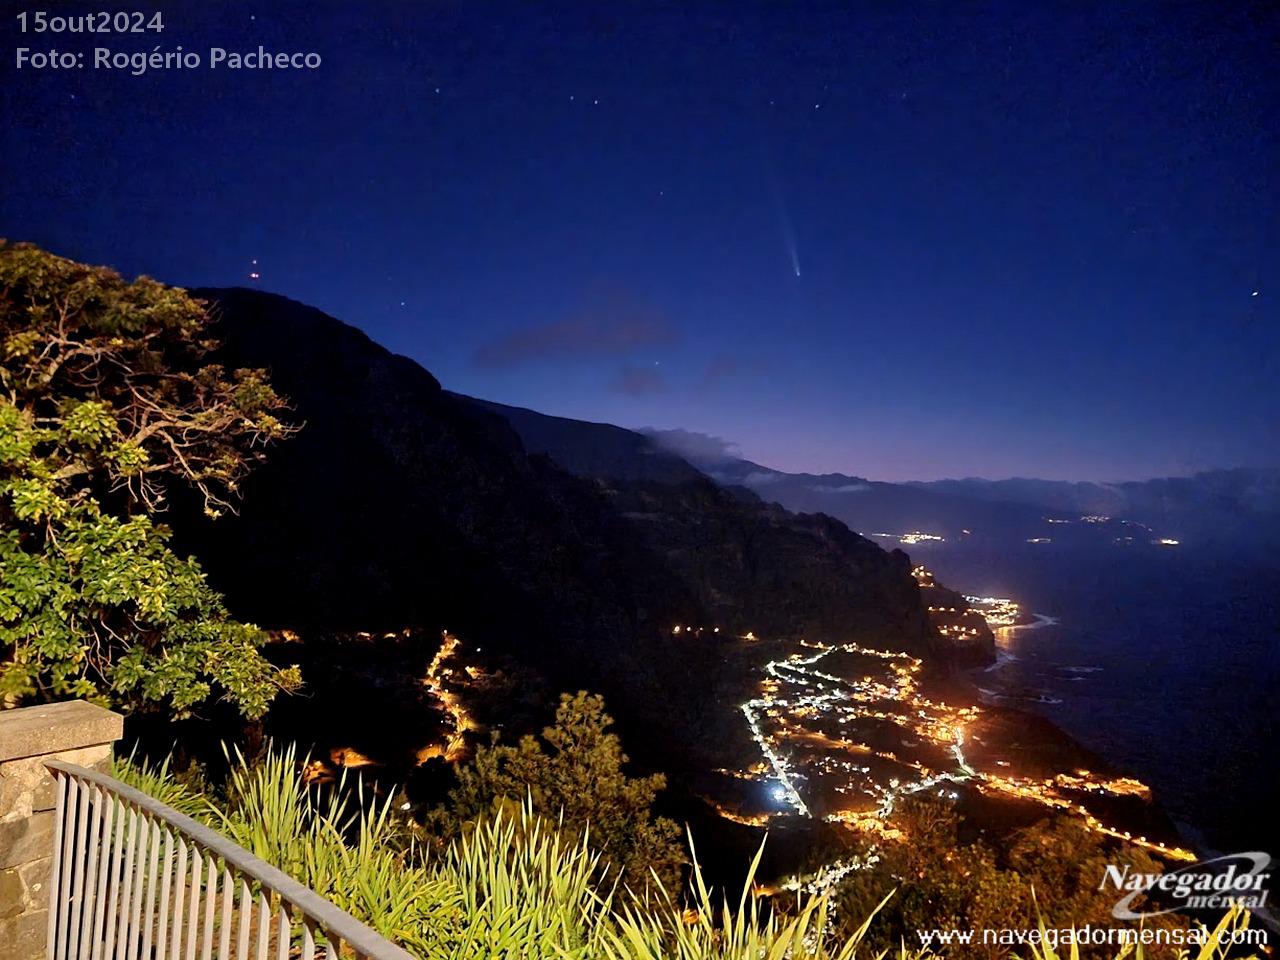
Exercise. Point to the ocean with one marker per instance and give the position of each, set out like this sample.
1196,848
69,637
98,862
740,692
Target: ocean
1164,660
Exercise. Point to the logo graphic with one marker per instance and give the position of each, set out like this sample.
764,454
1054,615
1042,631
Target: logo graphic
1237,879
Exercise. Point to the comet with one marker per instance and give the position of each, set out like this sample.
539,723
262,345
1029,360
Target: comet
787,231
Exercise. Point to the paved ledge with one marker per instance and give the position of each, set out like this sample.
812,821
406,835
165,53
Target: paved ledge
53,728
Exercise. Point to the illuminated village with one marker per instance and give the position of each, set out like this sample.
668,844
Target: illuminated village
448,724
912,538
437,684
845,731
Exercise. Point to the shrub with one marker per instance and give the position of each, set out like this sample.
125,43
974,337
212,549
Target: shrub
107,397
515,885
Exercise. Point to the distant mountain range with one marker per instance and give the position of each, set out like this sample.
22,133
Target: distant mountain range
1218,507
1207,505
1223,507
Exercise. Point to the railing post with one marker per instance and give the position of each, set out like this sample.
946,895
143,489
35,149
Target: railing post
77,732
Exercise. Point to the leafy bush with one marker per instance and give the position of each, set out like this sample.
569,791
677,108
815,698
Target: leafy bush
1047,872
575,773
107,397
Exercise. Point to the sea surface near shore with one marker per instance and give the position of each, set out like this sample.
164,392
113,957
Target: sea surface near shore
1166,662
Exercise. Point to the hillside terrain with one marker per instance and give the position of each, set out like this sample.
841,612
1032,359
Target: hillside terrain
401,506
677,505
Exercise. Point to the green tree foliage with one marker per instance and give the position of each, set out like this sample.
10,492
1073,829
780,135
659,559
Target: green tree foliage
107,397
575,773
1048,872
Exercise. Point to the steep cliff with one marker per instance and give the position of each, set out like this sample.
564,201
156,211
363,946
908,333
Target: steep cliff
400,505
785,573
752,565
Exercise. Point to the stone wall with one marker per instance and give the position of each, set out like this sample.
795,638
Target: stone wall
76,732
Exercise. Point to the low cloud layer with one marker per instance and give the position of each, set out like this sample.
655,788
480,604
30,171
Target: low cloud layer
842,488
699,448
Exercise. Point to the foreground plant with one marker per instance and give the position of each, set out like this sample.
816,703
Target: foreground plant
575,773
727,932
107,399
1227,939
517,885
158,780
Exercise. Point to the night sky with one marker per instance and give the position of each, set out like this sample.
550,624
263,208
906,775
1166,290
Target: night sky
895,240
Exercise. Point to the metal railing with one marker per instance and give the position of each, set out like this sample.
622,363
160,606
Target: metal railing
133,879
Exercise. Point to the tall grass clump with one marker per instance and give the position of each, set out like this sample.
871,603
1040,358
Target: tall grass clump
662,929
525,891
346,848
512,886
1226,940
274,814
159,781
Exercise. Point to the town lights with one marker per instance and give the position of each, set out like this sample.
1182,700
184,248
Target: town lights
803,702
449,701
997,611
912,538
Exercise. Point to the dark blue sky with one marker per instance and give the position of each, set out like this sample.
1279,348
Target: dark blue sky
1028,237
